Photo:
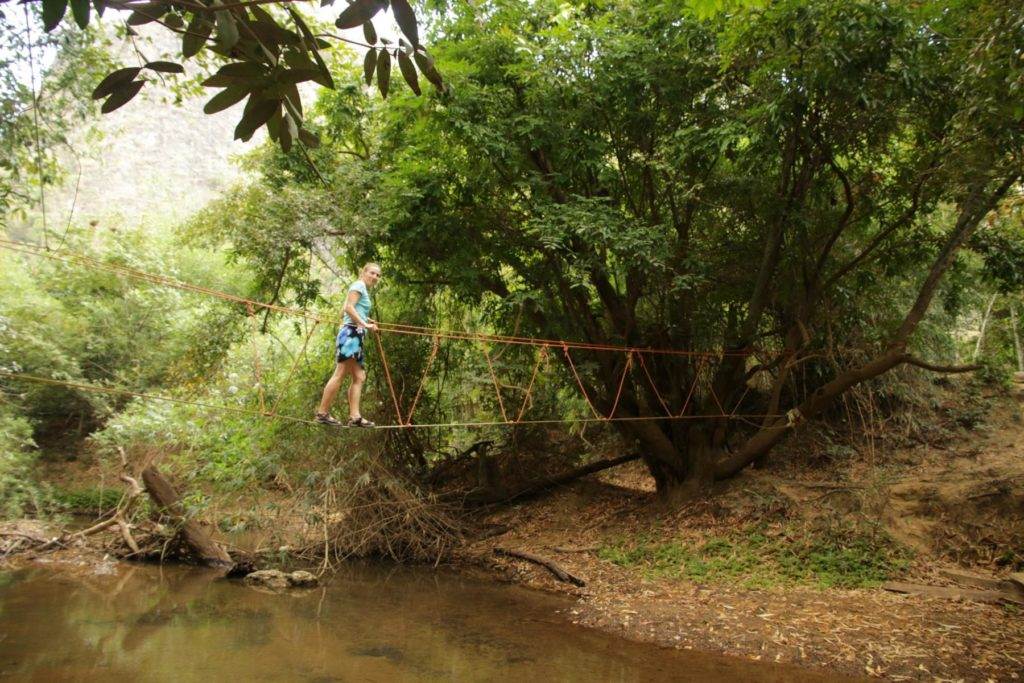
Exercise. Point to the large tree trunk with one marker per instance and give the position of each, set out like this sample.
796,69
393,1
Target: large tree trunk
168,502
972,211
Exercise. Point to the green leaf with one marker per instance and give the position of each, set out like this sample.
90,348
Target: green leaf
80,11
227,30
406,20
220,81
196,35
227,97
269,31
298,60
257,112
309,139
165,67
144,14
408,72
238,73
53,12
287,133
115,80
242,70
122,96
426,64
359,12
384,72
328,82
174,21
99,5
292,97
274,125
293,76
369,64
369,33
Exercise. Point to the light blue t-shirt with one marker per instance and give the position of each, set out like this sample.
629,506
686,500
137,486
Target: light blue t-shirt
362,305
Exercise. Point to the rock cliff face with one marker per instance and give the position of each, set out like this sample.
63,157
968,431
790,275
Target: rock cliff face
151,161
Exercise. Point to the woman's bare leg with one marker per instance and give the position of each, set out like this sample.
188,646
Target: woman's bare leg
355,390
331,390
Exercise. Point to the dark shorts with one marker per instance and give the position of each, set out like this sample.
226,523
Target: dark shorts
349,344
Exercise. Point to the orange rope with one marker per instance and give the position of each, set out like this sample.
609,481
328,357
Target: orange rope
295,364
540,341
653,385
714,395
622,383
423,380
67,257
291,418
250,304
494,379
693,387
387,376
541,357
579,382
81,259
740,401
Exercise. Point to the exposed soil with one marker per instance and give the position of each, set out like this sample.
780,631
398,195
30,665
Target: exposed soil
957,500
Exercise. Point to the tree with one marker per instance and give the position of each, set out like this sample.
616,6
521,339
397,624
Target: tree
42,101
629,175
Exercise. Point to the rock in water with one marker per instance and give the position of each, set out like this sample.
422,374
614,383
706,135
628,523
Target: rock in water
277,579
268,578
301,579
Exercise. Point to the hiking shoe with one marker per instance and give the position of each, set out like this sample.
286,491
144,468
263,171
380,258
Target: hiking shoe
360,422
326,419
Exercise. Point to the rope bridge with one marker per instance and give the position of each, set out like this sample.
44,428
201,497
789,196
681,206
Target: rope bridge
511,415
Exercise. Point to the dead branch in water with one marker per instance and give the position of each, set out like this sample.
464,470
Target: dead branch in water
169,504
550,565
116,518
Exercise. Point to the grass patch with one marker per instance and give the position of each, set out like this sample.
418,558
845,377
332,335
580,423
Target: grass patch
85,501
842,557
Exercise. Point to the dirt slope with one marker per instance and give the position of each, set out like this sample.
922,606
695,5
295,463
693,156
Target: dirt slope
954,501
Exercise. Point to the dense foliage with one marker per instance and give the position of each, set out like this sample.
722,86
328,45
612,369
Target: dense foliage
795,183
792,183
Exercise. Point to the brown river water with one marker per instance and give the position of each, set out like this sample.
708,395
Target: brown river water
115,622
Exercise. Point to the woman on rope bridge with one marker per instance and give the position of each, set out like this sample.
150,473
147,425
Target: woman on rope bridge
349,355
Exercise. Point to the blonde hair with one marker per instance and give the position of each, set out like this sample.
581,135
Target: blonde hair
369,265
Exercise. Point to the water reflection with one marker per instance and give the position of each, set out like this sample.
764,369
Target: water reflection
370,623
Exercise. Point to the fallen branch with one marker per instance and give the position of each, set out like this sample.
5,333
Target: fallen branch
551,566
989,596
952,369
116,518
536,487
169,503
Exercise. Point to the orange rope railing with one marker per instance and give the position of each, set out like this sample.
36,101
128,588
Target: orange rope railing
542,357
436,334
397,328
292,418
494,379
423,380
